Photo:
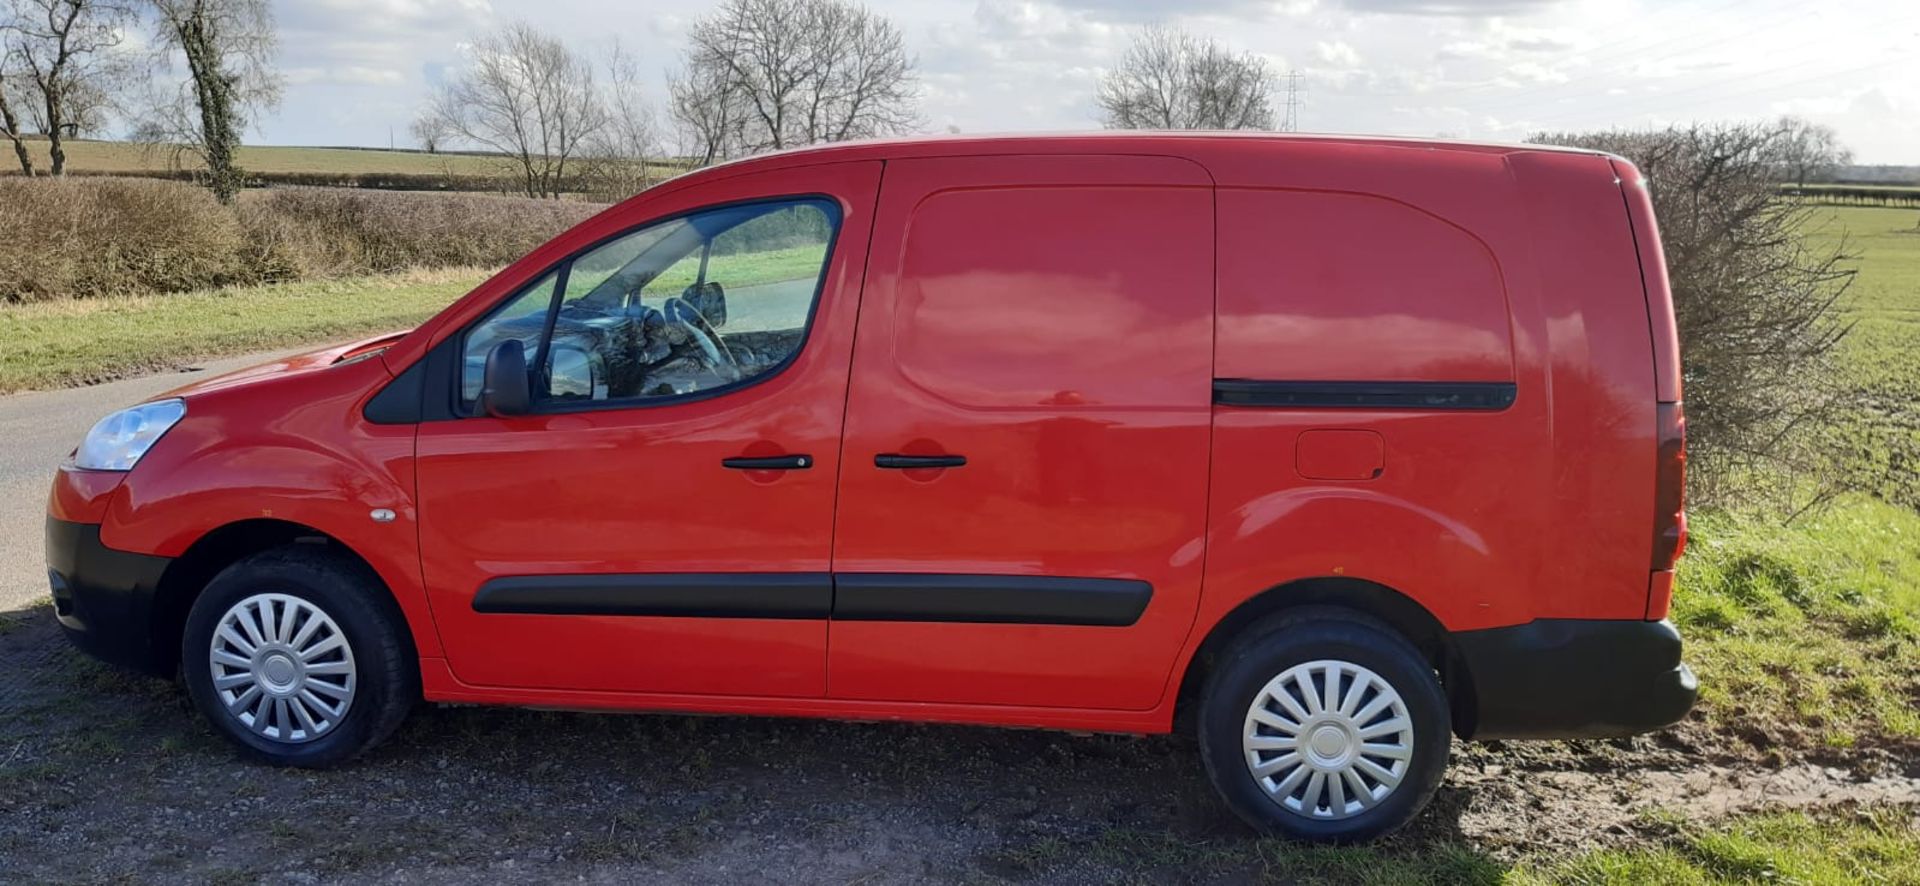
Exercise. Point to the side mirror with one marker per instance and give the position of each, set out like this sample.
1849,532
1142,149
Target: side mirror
713,305
571,374
504,389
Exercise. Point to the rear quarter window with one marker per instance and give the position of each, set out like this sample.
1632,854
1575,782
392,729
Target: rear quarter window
1318,286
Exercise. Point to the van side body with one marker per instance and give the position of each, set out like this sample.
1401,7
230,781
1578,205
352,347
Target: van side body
1196,381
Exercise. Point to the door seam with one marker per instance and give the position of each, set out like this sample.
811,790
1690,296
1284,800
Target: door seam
846,404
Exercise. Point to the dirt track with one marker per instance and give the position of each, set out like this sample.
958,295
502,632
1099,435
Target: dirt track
106,776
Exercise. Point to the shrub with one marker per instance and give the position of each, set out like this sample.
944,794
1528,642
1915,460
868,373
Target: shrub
92,237
1757,301
98,236
329,232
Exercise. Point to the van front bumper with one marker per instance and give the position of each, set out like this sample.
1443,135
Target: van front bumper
103,598
1576,678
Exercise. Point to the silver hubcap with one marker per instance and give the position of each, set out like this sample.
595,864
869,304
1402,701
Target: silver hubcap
282,668
1328,739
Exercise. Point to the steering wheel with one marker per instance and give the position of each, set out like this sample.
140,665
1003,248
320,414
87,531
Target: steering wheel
679,310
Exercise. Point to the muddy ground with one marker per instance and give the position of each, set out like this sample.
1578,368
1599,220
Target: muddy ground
106,776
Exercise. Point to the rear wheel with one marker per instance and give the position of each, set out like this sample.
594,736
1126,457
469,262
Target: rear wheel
1324,725
300,657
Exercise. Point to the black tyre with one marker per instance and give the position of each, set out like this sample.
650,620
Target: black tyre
1289,763
300,656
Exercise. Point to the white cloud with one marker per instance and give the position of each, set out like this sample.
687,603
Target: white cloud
1337,53
357,75
1462,8
1529,72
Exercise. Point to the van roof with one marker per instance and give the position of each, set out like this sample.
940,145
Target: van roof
1108,141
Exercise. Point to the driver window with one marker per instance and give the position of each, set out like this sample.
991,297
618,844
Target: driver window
700,302
523,317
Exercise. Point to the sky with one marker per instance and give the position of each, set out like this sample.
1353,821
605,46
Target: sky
358,70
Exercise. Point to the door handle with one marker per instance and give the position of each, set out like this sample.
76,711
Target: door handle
909,462
769,463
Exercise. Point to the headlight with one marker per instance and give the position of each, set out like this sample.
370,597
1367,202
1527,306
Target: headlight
117,441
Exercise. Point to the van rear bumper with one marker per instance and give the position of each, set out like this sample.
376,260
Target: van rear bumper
1576,678
103,598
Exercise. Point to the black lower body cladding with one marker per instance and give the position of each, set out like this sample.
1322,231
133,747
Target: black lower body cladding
104,598
1576,678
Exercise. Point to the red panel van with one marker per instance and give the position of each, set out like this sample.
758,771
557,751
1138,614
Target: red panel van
1330,448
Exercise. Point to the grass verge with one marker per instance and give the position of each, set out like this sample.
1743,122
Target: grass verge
1870,846
1808,636
63,343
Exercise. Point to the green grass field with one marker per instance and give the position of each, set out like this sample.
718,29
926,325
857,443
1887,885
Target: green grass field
1884,301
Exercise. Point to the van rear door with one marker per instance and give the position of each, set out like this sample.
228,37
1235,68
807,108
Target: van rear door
1023,494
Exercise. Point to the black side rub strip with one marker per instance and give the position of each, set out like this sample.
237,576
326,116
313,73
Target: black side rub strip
687,595
1466,395
768,463
893,461
911,597
989,599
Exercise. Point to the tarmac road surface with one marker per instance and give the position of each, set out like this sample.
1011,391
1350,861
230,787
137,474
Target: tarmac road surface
37,431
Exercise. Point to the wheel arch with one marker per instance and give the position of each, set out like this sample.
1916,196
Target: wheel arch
223,546
1396,610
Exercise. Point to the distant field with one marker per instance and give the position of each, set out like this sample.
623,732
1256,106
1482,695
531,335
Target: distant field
1885,297
1864,187
1881,356
105,156
124,158
1904,196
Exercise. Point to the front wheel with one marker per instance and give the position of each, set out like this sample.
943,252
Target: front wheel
1325,726
300,657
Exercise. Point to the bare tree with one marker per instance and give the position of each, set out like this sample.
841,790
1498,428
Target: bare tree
1757,302
616,156
11,95
1170,79
229,47
527,96
1803,150
66,50
709,115
429,130
772,74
